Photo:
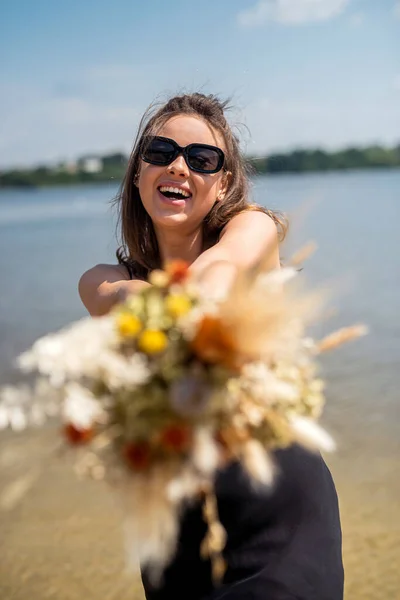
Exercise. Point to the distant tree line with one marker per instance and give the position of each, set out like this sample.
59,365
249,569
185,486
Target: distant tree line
300,161
112,167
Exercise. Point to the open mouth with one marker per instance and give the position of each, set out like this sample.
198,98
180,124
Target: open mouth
174,193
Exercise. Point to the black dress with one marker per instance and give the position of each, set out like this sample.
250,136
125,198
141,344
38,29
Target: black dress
283,544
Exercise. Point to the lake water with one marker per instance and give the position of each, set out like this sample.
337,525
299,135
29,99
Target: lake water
49,237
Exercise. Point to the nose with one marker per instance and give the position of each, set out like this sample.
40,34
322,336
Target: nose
179,167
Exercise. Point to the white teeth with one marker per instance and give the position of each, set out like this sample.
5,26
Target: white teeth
174,190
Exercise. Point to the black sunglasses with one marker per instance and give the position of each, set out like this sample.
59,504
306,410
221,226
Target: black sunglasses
201,158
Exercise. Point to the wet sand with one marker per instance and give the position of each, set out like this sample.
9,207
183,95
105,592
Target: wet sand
61,539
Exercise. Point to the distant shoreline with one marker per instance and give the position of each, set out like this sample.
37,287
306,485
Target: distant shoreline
78,182
111,168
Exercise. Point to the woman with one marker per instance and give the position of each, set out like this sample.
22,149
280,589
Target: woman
185,195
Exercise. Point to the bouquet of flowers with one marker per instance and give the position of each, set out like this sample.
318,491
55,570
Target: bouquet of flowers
170,387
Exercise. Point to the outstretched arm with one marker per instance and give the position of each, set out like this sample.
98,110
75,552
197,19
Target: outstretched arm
247,238
244,240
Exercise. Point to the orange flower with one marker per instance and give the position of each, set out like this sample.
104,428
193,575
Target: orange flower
230,437
226,452
177,270
230,441
77,436
137,455
175,438
215,344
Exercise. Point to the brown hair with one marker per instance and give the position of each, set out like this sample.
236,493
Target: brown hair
139,251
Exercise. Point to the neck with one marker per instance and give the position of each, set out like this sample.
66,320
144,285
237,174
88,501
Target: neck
173,245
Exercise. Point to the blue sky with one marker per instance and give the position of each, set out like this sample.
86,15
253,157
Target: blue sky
77,75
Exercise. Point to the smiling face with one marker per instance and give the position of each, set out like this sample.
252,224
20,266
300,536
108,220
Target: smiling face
174,195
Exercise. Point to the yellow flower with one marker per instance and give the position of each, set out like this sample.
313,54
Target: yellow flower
128,325
153,341
177,305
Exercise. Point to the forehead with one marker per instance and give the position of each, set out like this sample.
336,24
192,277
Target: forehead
186,129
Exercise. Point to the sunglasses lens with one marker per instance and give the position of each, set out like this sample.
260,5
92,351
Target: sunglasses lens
203,159
159,152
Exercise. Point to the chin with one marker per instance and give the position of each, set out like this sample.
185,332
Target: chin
172,219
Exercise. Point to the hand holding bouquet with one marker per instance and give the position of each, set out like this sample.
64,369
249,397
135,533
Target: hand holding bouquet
170,387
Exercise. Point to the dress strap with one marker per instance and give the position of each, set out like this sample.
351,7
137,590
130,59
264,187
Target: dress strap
130,270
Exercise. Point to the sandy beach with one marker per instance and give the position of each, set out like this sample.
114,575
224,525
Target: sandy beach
61,539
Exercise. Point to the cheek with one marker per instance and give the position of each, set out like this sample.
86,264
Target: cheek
208,189
144,176
146,180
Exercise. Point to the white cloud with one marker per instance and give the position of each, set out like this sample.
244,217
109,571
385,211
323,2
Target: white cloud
396,9
291,12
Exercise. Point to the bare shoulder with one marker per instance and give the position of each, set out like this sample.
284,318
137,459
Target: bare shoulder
97,287
248,237
100,274
105,272
253,220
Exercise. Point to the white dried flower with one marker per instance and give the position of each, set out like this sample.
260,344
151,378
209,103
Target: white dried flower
14,403
189,323
80,408
151,526
309,344
73,352
183,486
205,454
15,395
255,414
310,434
265,385
123,372
274,280
258,462
46,401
